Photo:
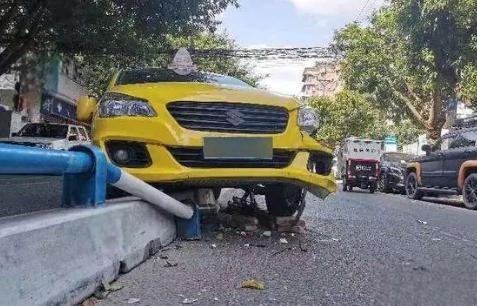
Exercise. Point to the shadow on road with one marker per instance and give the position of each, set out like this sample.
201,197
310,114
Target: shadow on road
455,201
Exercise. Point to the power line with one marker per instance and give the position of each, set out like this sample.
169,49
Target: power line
370,8
361,11
269,53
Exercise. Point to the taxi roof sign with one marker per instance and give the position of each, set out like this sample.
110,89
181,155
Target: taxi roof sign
182,63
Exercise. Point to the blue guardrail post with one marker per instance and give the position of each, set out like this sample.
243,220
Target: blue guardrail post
88,188
189,229
84,169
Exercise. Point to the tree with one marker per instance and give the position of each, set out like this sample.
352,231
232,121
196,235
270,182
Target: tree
402,59
442,35
100,27
349,113
405,131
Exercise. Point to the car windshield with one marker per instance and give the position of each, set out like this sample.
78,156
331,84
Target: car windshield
157,75
44,130
398,157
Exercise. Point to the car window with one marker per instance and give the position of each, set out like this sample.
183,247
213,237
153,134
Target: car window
156,75
44,130
83,135
461,142
74,131
458,140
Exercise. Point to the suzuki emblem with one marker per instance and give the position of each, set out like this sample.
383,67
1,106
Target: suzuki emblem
235,117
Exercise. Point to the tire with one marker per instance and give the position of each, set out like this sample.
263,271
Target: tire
217,192
469,191
283,200
383,184
372,188
412,187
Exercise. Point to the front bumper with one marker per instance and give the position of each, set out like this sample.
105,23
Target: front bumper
164,168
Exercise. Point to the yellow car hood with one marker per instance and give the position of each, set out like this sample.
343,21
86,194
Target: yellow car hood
202,92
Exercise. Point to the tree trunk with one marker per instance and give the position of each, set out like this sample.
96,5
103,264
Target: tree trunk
437,117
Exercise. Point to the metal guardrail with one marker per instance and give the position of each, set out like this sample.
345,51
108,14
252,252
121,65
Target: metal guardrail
86,174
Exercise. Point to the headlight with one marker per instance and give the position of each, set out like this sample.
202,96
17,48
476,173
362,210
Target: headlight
308,120
114,105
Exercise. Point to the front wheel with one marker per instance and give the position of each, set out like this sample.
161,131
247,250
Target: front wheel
283,200
469,192
412,187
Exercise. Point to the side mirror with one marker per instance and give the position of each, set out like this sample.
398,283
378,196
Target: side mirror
73,138
426,148
86,108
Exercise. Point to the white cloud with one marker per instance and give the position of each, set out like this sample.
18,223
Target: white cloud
345,9
284,76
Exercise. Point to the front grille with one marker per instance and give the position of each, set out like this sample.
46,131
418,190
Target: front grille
230,117
194,158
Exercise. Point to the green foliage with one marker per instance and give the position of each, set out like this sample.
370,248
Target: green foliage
348,114
406,132
353,114
413,57
442,36
101,27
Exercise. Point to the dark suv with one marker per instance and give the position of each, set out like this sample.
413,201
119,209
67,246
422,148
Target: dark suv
393,171
450,170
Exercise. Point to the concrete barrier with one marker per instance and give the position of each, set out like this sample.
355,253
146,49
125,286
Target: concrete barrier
61,256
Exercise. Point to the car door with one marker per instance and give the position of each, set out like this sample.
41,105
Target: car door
73,137
431,169
84,139
452,160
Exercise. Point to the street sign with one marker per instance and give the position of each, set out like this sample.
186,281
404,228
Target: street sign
390,144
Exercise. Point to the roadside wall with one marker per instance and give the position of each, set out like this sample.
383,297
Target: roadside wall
61,256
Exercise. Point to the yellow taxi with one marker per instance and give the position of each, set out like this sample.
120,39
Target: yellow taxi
191,129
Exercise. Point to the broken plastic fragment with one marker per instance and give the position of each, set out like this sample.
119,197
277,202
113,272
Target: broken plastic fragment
267,234
133,300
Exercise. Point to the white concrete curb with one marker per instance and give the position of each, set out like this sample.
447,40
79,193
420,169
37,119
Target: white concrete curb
61,256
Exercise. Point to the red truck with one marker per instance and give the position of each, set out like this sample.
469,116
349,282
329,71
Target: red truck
359,163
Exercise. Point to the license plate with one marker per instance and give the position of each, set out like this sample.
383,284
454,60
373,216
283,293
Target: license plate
238,148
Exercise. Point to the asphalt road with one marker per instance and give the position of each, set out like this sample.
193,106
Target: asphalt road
358,249
20,194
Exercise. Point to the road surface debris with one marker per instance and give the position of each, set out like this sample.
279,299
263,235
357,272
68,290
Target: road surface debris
253,284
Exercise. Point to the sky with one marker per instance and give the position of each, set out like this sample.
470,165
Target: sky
290,23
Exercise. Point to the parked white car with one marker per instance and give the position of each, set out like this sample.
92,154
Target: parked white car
50,136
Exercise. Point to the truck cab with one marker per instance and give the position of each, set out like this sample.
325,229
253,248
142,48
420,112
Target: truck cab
359,163
449,167
50,136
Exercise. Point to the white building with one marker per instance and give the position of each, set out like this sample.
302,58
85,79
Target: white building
324,79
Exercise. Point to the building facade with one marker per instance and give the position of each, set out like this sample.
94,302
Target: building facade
324,79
